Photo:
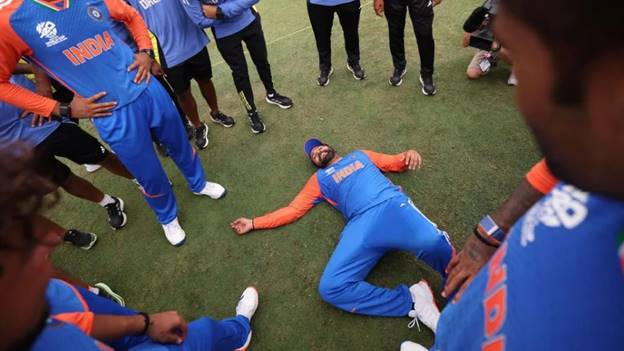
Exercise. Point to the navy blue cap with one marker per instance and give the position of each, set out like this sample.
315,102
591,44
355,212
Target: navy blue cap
310,144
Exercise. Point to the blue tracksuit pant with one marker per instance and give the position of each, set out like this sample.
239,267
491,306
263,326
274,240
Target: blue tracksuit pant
204,334
395,224
129,133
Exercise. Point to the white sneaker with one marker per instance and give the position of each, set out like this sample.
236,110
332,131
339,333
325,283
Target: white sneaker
411,346
213,190
174,233
91,168
247,305
512,80
425,308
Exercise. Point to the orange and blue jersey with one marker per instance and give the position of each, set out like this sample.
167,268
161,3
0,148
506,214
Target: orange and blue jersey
556,283
352,185
74,43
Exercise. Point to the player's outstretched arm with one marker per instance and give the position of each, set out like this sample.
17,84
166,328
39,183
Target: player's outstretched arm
309,196
405,161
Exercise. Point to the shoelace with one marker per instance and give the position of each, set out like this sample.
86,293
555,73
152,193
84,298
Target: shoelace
414,321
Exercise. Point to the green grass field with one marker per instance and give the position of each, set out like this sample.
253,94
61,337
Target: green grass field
475,149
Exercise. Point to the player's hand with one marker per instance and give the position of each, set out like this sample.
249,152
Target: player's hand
37,120
88,107
413,160
210,11
167,327
465,265
378,6
242,226
143,64
157,69
436,2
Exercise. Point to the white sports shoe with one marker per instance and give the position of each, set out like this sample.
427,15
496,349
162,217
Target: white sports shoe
247,305
512,81
174,232
425,308
213,190
411,346
91,168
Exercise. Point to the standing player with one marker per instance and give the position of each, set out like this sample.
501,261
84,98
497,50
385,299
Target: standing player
380,218
183,57
234,22
421,14
73,42
563,261
321,13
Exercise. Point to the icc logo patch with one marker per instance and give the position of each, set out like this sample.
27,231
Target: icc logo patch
47,30
95,13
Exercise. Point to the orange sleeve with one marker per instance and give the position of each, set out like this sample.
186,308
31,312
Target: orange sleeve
541,178
12,48
123,12
387,163
80,320
309,195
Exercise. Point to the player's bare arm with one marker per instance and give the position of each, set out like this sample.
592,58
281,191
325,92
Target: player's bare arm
165,327
475,253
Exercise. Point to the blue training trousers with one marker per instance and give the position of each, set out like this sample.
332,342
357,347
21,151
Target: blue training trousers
129,133
395,224
204,334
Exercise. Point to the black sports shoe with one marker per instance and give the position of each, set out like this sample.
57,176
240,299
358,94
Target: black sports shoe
201,136
106,292
397,76
323,78
428,86
279,100
83,240
257,126
117,219
222,119
357,71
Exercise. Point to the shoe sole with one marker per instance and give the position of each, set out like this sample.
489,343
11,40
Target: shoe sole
216,121
284,107
123,214
178,244
91,244
353,73
401,81
259,131
331,71
423,88
120,300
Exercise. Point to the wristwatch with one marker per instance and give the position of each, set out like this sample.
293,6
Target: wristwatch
489,228
65,110
149,53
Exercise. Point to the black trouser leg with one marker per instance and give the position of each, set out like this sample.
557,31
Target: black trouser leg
349,16
256,44
322,20
395,11
163,81
423,28
231,48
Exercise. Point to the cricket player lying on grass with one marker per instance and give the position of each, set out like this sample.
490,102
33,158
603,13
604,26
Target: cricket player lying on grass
380,218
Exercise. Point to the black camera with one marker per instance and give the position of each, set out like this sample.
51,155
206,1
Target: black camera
478,24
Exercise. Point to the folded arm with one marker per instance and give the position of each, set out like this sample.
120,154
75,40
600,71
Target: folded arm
232,9
194,11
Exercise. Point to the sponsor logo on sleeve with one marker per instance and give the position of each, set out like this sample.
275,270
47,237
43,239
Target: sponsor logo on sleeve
47,30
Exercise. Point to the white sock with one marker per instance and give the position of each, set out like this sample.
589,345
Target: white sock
94,290
107,200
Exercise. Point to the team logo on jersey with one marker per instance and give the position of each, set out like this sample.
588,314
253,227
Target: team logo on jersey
566,207
47,30
4,3
95,13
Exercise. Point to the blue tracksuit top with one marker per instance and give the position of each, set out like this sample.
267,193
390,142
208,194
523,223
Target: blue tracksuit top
237,15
